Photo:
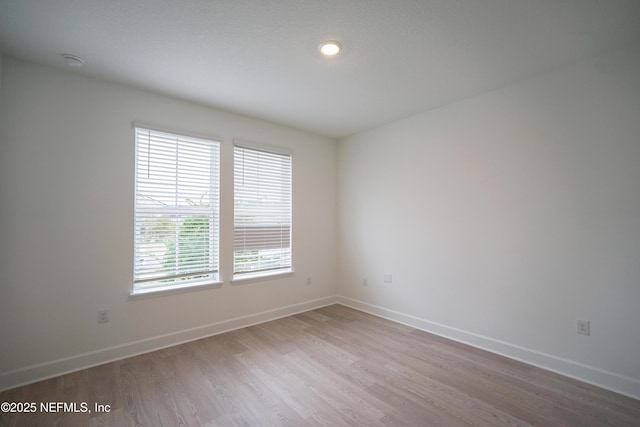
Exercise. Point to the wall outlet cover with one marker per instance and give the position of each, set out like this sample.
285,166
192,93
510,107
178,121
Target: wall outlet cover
583,327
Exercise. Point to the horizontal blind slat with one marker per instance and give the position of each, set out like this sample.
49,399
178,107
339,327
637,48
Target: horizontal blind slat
262,215
176,212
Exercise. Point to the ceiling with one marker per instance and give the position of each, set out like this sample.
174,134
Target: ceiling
260,57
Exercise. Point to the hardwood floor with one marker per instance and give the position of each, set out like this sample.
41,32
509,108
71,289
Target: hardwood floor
334,366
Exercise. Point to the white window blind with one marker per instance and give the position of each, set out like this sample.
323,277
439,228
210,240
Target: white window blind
176,210
262,212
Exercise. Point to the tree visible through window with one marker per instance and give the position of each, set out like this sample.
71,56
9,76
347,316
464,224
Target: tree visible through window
176,210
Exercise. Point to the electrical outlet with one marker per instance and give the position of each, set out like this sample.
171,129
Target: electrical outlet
308,280
388,278
365,282
582,327
103,316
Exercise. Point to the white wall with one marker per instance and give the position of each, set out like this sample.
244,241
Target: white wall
503,219
66,221
506,217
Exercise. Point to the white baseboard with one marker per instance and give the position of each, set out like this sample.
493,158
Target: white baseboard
608,380
589,374
42,371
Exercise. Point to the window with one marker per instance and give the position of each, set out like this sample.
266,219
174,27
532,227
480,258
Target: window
176,210
262,213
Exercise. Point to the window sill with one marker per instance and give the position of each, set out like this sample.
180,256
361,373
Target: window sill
173,289
241,279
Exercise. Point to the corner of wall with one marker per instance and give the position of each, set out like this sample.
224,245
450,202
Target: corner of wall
0,73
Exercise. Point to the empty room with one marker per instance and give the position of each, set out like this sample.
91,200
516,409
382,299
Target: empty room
320,213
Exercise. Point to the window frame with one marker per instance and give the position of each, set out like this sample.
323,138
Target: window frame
265,274
179,213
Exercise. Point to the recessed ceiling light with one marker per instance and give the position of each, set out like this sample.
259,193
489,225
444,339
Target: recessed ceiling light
330,48
72,60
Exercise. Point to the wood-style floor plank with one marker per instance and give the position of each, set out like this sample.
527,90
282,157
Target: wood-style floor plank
333,366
